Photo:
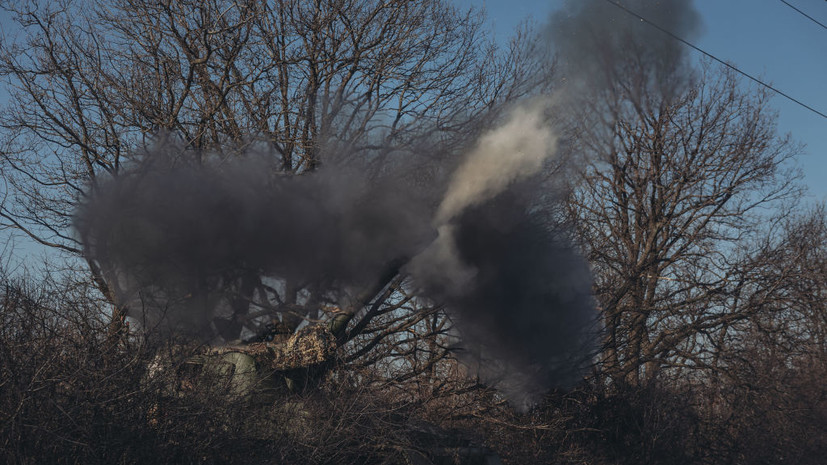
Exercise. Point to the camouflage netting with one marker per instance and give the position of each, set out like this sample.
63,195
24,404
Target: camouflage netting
309,346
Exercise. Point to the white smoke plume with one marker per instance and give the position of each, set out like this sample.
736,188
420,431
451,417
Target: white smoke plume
503,155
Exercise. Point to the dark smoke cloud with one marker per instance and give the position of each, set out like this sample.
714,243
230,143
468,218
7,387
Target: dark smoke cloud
172,235
526,314
595,41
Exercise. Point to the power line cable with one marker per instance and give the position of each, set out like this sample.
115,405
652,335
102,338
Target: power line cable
728,65
804,14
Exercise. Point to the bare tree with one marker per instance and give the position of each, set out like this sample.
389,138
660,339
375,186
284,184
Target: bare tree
91,83
675,185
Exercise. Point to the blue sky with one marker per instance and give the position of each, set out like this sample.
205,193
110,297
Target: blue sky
764,38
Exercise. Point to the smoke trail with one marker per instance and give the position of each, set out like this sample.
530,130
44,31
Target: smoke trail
515,150
501,157
518,290
596,42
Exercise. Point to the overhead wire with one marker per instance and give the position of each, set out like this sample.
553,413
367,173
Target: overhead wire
804,14
713,57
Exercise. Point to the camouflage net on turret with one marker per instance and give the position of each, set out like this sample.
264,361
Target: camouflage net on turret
309,346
